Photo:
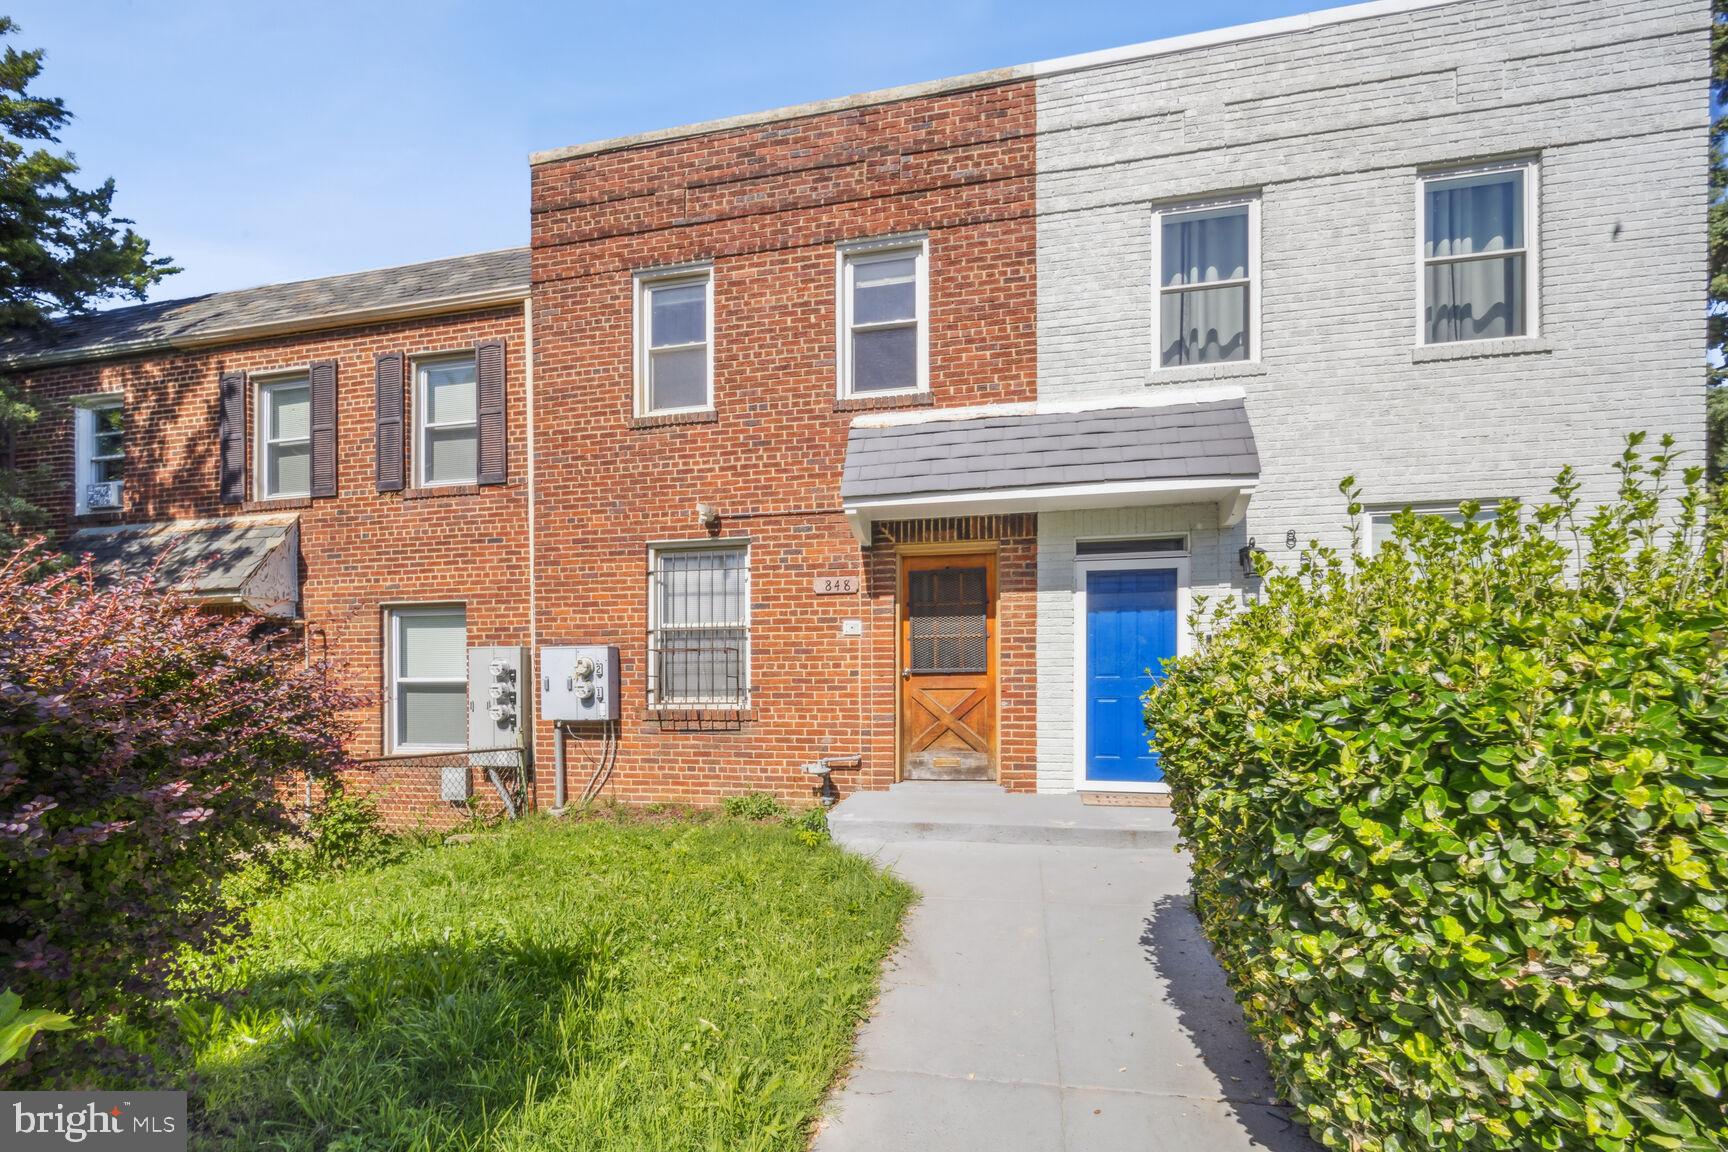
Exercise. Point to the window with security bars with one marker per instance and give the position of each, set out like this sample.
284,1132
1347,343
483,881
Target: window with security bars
947,612
699,627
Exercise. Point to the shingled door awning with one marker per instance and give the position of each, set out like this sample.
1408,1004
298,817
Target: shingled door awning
253,562
1041,458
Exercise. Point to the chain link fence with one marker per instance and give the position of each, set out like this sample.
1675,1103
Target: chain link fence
440,789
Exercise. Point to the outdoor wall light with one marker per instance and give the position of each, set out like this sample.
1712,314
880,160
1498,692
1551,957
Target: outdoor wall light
1250,557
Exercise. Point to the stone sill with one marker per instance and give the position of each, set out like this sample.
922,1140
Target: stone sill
285,504
673,419
1201,373
1476,349
441,491
875,403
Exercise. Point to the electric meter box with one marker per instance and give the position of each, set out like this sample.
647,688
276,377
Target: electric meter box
495,713
579,683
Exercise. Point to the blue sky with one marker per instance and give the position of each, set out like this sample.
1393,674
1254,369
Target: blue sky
256,142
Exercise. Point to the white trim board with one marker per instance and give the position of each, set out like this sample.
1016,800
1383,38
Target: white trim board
1184,645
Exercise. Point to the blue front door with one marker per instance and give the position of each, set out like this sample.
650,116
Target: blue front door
1130,632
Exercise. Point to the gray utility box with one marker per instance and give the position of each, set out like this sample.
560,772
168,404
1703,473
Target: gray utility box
579,683
496,699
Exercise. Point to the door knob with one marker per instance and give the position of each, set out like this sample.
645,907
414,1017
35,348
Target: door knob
906,674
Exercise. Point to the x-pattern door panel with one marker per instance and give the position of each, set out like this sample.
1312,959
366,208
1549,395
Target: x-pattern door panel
948,668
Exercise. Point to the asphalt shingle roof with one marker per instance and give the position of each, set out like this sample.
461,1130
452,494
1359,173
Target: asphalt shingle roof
1028,450
205,319
203,559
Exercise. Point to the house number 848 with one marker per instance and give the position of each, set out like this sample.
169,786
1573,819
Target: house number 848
835,585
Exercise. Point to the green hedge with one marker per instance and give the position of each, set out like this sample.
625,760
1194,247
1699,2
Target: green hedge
1457,822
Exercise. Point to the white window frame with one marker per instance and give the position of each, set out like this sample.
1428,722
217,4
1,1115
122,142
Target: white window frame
656,551
1206,207
262,442
84,454
1382,514
394,614
1531,250
642,329
1184,645
423,429
849,256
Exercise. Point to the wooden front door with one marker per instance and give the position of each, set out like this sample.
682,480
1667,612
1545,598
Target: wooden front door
948,667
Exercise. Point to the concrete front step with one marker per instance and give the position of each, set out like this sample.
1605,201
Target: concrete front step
982,812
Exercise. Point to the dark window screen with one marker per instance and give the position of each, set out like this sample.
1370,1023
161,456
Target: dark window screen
947,611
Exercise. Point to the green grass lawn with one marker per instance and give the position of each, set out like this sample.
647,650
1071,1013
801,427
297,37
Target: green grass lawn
550,986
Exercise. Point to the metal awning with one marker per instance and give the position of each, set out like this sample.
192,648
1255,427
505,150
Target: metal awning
248,561
1038,458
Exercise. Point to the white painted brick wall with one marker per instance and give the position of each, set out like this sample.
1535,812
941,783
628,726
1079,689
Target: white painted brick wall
1330,127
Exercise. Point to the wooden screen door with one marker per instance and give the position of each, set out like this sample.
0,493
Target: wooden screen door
948,667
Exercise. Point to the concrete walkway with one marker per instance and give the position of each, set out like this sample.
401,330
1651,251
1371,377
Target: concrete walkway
1052,996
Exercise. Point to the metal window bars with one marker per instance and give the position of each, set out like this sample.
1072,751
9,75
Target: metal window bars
699,630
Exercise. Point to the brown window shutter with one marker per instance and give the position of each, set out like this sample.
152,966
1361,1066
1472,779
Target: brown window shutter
231,422
323,379
489,378
388,413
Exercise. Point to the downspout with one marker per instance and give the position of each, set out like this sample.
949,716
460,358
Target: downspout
531,674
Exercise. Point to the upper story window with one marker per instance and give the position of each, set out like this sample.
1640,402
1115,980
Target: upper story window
101,453
1478,269
426,673
284,419
884,298
674,349
446,420
1207,259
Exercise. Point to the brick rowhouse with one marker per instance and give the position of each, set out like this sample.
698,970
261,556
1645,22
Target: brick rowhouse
360,550
766,206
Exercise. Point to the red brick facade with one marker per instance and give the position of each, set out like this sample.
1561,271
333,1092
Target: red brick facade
765,207
359,550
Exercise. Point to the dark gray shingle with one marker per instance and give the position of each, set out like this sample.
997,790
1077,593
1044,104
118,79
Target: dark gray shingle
1178,441
205,319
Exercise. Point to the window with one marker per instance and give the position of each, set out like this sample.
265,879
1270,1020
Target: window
446,420
427,676
947,612
883,299
699,627
101,453
674,355
284,415
1477,269
1207,259
1380,519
